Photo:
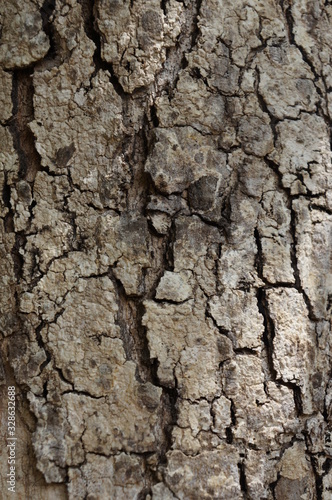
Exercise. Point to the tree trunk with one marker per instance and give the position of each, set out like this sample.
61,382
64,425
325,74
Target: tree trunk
166,248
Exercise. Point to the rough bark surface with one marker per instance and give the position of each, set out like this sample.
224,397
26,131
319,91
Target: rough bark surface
166,281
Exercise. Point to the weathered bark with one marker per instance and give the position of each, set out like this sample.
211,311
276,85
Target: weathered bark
166,247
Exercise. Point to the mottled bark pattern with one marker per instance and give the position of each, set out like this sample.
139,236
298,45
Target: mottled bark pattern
166,281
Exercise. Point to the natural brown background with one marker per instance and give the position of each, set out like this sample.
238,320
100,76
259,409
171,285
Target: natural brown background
166,247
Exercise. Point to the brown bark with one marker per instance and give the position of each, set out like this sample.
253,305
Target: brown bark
166,248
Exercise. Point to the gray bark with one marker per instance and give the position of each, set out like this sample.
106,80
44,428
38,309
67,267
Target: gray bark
166,247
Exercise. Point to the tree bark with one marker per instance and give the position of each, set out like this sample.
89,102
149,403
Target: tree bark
166,248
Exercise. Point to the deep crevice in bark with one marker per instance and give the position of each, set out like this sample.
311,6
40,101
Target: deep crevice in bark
269,332
243,480
46,11
23,114
92,32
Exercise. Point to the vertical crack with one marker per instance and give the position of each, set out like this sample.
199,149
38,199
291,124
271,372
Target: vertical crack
46,12
273,120
294,262
163,6
269,332
293,247
289,23
17,257
259,261
42,346
91,30
229,430
23,114
196,31
318,477
9,217
243,480
306,58
176,59
268,337
133,333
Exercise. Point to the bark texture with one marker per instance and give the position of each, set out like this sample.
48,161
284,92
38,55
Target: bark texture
166,217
